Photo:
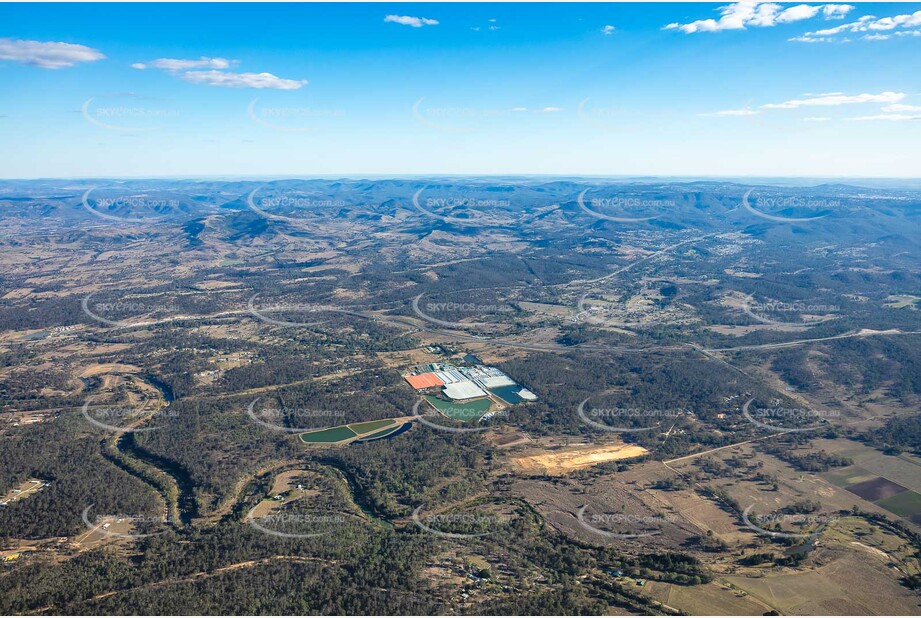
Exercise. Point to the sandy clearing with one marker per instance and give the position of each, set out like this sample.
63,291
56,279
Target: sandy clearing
99,369
577,457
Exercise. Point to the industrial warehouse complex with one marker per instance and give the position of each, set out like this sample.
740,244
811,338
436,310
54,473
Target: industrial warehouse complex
467,392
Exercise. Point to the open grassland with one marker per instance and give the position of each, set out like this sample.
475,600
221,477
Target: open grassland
713,599
906,505
888,481
851,585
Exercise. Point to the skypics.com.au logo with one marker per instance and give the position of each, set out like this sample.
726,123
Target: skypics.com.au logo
125,309
811,525
439,312
788,203
270,207
789,420
458,413
125,206
602,205
622,525
126,113
759,311
461,525
627,419
469,207
299,525
291,119
272,418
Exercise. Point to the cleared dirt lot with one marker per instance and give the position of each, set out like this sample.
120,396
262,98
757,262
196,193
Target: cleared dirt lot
572,458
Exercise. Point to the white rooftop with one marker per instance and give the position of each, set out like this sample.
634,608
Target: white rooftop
527,395
496,381
463,390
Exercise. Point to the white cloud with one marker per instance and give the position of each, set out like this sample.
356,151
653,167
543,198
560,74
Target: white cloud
879,29
889,117
548,110
47,55
836,11
211,72
827,99
901,107
734,112
242,80
415,22
817,119
608,29
798,13
886,37
175,64
519,109
834,99
808,39
754,13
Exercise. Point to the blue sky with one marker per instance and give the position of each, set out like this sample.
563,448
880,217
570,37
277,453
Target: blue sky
376,89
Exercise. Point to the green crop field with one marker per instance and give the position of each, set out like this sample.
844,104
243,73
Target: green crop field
333,434
906,504
848,476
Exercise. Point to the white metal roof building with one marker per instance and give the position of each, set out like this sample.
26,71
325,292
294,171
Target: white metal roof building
494,381
449,376
527,395
463,390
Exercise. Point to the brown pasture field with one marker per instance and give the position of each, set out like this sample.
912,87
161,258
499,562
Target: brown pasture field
876,489
741,331
704,514
559,501
713,599
215,284
852,571
285,482
104,368
407,358
904,469
793,485
851,585
507,439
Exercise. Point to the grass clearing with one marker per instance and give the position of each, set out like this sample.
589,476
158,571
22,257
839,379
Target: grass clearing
842,477
906,504
22,491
